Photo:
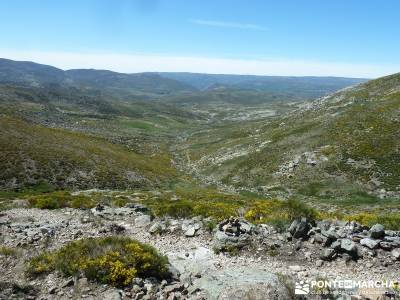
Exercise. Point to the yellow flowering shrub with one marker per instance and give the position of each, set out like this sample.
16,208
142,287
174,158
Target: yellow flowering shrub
110,260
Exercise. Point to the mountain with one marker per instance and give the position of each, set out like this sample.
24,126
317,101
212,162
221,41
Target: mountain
337,148
299,87
118,84
29,73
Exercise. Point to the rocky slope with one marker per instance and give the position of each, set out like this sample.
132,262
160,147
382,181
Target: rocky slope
261,263
341,146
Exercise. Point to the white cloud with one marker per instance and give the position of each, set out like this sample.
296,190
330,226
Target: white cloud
228,24
131,63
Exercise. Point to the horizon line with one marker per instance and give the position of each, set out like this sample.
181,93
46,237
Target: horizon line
140,63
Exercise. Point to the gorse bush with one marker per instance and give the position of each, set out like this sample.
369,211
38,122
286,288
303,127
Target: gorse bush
110,260
279,213
219,206
60,199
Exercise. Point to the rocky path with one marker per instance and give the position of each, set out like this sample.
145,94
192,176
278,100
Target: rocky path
267,265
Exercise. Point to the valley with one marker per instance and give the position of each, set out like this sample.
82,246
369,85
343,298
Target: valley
288,176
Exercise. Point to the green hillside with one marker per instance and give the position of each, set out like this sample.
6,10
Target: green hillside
345,146
33,155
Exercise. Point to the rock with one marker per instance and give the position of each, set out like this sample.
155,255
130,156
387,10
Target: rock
143,221
394,241
111,295
328,254
396,253
330,234
377,231
349,247
138,208
116,228
178,287
52,290
296,268
319,263
386,246
190,232
336,245
173,273
298,245
242,283
224,242
299,228
68,282
155,228
370,243
138,281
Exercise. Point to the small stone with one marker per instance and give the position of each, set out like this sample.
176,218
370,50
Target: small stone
385,246
143,221
174,288
396,253
138,281
190,232
328,254
319,263
68,282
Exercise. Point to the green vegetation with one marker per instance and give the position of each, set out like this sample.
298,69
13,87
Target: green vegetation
211,203
353,134
61,199
34,154
7,251
110,260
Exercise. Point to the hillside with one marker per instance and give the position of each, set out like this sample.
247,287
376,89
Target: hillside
293,87
340,147
35,155
118,84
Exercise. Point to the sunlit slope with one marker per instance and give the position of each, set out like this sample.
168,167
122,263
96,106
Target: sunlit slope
344,144
31,154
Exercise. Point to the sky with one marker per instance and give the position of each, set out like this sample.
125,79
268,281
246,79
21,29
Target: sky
354,38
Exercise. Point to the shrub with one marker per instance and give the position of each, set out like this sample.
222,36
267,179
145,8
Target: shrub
279,213
109,260
60,199
41,264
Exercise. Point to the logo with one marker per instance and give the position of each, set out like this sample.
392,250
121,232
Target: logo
302,288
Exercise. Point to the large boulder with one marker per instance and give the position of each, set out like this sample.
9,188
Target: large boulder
377,231
232,234
243,283
225,242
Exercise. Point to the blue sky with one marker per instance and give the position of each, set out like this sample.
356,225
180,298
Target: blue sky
287,37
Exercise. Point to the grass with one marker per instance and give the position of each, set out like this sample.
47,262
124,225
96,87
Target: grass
211,203
33,154
110,260
61,199
361,124
8,252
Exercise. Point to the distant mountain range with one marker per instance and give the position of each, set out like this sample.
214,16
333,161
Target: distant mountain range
308,87
155,85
